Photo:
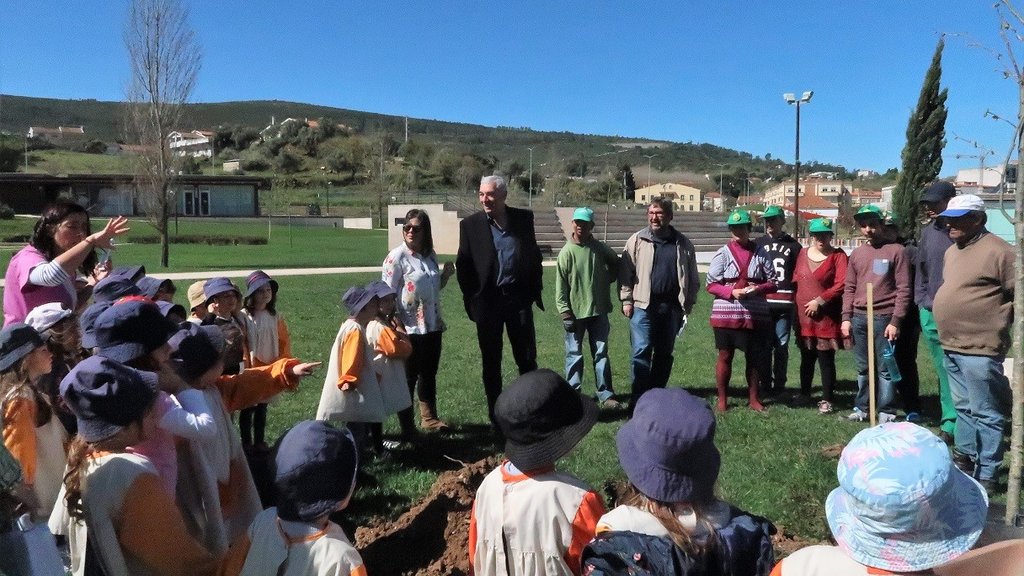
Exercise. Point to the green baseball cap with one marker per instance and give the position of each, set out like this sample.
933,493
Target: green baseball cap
869,211
583,213
773,212
821,225
737,217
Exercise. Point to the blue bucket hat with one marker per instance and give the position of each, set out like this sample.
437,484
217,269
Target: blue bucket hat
149,286
356,298
315,468
668,448
257,280
113,288
87,323
196,349
901,504
380,289
17,340
131,329
219,285
133,273
106,396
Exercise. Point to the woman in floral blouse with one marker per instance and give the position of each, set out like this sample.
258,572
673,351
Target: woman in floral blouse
411,269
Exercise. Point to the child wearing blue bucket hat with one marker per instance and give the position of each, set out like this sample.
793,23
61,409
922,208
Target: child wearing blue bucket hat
901,507
671,516
271,341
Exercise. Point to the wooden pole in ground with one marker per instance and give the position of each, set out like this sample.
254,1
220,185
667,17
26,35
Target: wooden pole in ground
871,352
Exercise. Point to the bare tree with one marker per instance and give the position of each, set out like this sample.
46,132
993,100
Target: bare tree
165,59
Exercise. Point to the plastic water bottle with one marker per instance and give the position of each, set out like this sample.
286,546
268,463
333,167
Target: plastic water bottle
889,358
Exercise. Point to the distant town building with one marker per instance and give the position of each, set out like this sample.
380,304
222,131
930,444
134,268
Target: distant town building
196,143
968,180
864,173
57,134
828,190
823,175
685,197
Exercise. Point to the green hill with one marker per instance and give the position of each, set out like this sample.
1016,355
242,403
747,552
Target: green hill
564,154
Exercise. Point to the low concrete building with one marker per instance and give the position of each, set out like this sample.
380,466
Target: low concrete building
116,194
685,197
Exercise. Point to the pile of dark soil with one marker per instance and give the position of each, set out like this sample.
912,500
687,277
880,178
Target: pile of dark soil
433,536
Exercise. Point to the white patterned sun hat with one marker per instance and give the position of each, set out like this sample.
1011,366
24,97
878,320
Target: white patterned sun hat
901,505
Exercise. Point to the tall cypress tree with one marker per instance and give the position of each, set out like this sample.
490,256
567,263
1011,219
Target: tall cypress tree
922,155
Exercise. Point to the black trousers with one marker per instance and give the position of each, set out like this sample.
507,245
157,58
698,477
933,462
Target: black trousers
421,366
909,387
494,315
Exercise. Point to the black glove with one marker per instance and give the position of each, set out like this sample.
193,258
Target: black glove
569,324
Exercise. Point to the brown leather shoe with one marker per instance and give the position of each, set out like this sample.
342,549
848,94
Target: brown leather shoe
964,462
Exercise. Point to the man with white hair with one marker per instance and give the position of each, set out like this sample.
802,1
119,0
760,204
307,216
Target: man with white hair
499,271
974,310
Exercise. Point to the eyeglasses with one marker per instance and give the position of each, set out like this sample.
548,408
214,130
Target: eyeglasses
411,228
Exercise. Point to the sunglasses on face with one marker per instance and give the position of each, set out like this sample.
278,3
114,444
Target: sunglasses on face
411,228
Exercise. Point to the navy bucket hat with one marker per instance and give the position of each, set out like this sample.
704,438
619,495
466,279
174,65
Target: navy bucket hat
257,280
315,468
542,418
107,396
17,340
668,448
131,329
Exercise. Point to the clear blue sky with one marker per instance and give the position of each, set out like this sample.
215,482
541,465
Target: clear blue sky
675,70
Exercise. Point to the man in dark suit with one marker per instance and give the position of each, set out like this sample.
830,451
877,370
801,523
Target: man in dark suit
499,273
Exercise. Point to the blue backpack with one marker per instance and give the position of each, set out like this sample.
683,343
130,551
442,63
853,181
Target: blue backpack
744,548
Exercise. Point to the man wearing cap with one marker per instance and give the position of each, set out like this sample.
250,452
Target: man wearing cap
658,285
883,263
499,271
931,249
585,268
973,311
782,249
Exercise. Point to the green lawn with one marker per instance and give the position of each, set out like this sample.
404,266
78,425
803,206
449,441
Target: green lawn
289,246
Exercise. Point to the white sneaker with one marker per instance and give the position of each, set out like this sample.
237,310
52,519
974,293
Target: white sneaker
857,416
884,417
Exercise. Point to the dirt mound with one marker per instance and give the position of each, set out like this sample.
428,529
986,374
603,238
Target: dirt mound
433,536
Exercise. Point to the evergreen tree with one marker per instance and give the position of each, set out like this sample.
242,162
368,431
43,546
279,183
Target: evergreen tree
922,155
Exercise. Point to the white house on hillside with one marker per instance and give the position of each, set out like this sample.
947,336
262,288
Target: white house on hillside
197,143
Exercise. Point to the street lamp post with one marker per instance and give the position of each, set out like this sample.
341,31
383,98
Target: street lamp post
792,99
721,187
649,157
529,201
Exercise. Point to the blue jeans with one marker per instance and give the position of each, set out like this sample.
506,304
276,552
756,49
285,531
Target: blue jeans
774,359
981,396
597,328
885,389
653,335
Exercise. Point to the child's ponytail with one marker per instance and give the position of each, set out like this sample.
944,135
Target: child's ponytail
78,458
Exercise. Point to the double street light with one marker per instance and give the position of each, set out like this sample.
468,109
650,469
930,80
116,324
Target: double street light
791,98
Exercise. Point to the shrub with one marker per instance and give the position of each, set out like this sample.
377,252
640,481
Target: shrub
6,212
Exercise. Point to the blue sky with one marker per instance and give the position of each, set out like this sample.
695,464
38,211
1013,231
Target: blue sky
675,70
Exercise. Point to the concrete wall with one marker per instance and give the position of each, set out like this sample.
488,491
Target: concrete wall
444,226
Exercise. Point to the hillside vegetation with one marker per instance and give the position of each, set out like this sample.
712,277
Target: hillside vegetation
368,152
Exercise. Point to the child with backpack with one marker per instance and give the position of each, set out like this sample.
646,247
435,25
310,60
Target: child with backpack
672,519
529,518
315,468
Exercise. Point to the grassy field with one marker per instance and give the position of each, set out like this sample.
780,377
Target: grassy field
773,463
289,246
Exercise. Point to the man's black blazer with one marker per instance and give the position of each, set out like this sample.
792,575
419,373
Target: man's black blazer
476,265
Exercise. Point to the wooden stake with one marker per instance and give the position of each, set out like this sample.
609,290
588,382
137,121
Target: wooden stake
871,353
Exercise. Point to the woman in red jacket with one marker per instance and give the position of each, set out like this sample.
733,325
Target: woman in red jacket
819,276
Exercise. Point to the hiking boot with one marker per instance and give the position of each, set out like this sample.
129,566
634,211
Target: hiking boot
885,417
964,462
857,415
428,417
825,407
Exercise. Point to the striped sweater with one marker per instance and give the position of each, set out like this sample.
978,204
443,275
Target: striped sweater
724,276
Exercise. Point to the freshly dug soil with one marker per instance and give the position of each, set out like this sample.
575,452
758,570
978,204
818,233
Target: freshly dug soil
433,536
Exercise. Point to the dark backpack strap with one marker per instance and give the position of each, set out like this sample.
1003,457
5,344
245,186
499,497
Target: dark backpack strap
745,545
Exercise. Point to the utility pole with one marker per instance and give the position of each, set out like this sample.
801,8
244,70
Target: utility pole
529,201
